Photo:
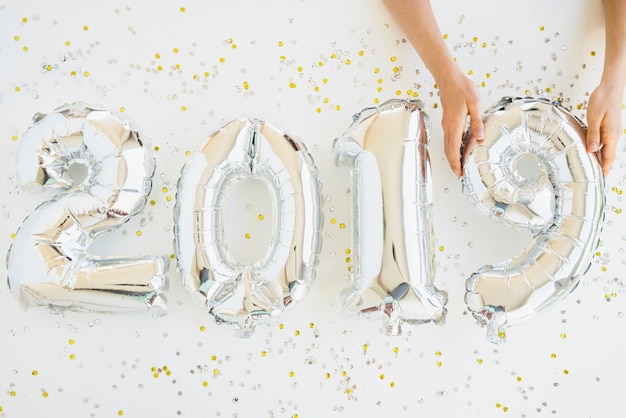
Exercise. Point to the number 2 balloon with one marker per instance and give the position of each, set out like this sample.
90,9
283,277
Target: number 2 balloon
49,263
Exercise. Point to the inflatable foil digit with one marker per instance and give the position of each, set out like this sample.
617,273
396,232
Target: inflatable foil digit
393,239
532,172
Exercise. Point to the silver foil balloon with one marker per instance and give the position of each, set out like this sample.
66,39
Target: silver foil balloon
532,172
393,241
235,291
102,173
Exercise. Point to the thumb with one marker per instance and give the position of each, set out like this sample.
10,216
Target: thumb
593,137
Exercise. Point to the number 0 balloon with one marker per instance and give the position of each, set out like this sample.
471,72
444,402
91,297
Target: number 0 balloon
393,241
49,263
233,290
532,172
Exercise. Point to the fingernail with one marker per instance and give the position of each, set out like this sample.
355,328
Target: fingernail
593,147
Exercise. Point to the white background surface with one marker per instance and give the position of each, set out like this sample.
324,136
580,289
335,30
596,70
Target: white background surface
341,56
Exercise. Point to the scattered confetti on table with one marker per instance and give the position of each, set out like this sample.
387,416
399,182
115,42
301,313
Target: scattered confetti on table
178,71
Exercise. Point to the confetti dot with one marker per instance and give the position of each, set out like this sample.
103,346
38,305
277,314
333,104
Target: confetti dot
122,109
138,233
292,85
67,43
152,202
291,374
342,226
120,413
34,372
479,361
12,393
24,19
16,38
72,357
261,217
202,328
393,59
205,383
248,236
333,221
71,342
44,394
86,73
85,28
593,53
25,48
182,10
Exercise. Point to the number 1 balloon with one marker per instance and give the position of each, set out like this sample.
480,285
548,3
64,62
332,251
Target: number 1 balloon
532,172
393,241
49,263
235,291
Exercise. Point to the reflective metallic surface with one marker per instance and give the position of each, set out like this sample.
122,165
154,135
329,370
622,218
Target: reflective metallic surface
393,241
103,173
532,172
237,292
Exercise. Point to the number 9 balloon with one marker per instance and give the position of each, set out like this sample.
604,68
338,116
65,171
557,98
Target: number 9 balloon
234,291
393,242
532,172
48,263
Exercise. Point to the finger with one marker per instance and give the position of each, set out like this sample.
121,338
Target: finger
452,145
607,156
476,121
468,145
453,152
592,139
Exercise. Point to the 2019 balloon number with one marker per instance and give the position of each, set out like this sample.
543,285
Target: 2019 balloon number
530,172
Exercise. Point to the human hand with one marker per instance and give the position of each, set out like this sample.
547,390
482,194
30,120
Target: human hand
604,120
459,98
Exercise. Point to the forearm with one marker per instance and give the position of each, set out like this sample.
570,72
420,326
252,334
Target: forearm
614,73
417,21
